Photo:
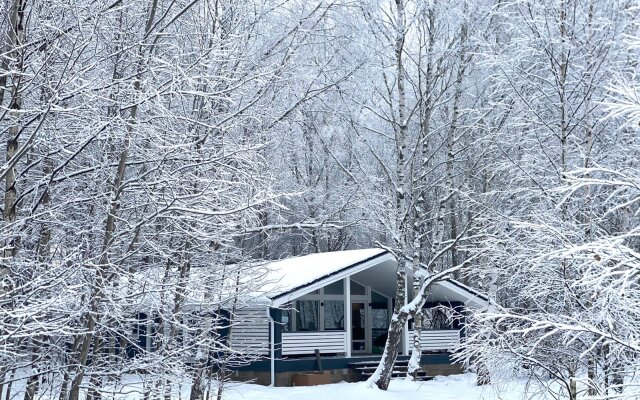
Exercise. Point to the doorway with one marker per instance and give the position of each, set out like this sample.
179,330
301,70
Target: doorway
359,333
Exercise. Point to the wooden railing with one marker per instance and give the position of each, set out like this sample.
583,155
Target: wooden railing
434,340
308,342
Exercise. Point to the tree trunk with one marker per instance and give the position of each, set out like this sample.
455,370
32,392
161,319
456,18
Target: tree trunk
109,230
13,53
33,380
16,38
382,375
453,131
573,388
416,351
591,374
11,374
196,386
482,374
66,376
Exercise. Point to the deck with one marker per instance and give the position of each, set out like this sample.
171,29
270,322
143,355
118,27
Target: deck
335,362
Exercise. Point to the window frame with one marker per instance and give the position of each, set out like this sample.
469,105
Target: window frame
320,297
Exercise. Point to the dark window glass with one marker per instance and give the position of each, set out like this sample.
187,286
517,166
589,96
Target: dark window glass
378,300
307,316
333,315
379,322
358,346
437,318
286,321
357,289
334,288
358,334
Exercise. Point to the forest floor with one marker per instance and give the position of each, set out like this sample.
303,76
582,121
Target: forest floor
455,387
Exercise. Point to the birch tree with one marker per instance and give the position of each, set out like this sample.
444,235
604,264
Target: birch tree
534,268
141,169
418,115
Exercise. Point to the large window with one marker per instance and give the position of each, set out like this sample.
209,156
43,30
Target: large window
307,315
336,288
320,310
379,322
438,317
334,315
357,289
287,321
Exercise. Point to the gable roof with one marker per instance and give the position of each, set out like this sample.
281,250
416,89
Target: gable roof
291,278
296,274
468,289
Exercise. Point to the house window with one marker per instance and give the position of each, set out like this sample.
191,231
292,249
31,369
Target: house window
335,288
307,315
320,310
334,315
286,320
437,318
379,322
139,337
357,289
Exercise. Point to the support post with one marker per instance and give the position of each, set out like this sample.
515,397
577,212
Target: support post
347,315
405,329
272,347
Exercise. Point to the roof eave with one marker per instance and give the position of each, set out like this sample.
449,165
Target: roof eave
474,297
285,297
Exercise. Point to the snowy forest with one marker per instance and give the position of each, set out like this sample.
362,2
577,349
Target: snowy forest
157,153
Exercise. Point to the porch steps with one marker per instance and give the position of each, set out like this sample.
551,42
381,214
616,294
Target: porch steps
366,368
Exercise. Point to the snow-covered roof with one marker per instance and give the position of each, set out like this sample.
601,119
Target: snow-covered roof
291,278
293,273
273,284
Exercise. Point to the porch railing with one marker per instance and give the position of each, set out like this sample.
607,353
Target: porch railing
434,340
307,342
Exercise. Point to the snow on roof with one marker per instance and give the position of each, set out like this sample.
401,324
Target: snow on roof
291,273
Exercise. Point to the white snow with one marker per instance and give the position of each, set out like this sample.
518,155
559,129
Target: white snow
455,387
292,273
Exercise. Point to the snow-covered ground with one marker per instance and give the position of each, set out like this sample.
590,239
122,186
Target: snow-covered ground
455,387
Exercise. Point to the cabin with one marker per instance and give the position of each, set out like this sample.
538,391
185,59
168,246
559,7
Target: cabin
330,312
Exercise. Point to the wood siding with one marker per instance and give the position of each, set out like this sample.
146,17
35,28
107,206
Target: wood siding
436,340
250,332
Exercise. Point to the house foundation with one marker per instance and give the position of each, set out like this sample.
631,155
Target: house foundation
338,369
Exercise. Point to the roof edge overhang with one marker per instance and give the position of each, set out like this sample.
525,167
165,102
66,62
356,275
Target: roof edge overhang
352,269
474,297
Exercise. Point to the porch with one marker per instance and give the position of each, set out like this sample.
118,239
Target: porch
341,368
349,316
331,312
336,342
